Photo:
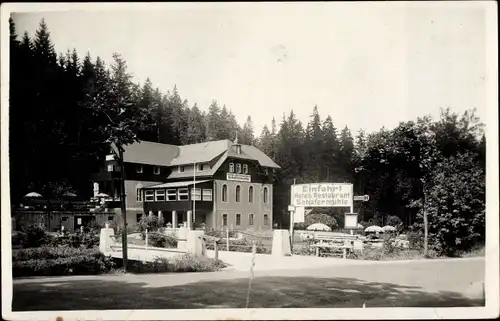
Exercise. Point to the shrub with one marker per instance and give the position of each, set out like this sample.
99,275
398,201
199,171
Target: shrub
393,221
60,261
160,240
151,223
34,236
47,252
183,263
239,245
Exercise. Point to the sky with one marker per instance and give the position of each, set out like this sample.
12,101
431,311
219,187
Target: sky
367,65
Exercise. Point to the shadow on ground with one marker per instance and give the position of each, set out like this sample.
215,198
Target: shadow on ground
267,292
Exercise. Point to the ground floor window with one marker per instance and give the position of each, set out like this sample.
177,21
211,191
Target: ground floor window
110,218
196,194
149,196
238,219
183,194
160,195
207,194
250,219
224,219
266,219
171,194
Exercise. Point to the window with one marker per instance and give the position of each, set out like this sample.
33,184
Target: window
207,194
238,193
149,196
266,219
250,219
183,194
110,218
205,167
171,194
138,194
231,168
224,193
181,169
224,219
266,171
111,168
64,219
138,217
238,219
156,170
245,169
265,194
160,195
250,194
196,194
139,169
238,168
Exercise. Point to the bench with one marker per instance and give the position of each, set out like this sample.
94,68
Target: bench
343,247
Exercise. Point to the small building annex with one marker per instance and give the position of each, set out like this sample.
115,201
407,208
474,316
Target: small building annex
222,183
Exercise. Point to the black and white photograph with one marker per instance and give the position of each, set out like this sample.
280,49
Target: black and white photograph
254,161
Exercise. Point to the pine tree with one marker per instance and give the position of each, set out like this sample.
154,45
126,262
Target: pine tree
314,148
247,134
213,122
196,126
331,151
346,153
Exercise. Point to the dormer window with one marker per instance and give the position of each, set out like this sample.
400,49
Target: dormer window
111,168
238,168
181,169
139,169
231,168
238,149
156,170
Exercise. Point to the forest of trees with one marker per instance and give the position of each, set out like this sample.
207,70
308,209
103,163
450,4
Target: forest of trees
62,108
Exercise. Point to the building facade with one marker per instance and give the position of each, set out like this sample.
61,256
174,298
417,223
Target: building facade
217,184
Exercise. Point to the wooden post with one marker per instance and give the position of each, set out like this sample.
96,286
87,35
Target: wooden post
317,251
227,238
254,247
216,250
344,253
146,239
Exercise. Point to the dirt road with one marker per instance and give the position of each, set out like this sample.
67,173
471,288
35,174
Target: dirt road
430,283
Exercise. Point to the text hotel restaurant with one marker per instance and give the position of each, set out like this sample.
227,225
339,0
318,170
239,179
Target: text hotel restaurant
224,184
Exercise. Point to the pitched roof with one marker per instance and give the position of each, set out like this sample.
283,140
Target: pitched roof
171,155
203,152
150,153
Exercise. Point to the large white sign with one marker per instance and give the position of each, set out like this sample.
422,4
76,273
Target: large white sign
322,195
238,177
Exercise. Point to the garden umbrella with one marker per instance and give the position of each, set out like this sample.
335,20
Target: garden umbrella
318,227
389,228
374,228
102,195
33,194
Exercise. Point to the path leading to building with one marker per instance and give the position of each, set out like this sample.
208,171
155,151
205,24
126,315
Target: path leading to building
429,283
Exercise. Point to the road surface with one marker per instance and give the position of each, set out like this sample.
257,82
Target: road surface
429,283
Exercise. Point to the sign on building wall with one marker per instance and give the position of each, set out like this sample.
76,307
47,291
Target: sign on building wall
238,177
322,195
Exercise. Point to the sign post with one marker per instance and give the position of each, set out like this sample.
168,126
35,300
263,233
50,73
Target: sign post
291,209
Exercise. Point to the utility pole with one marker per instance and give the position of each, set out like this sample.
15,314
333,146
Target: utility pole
123,209
194,192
